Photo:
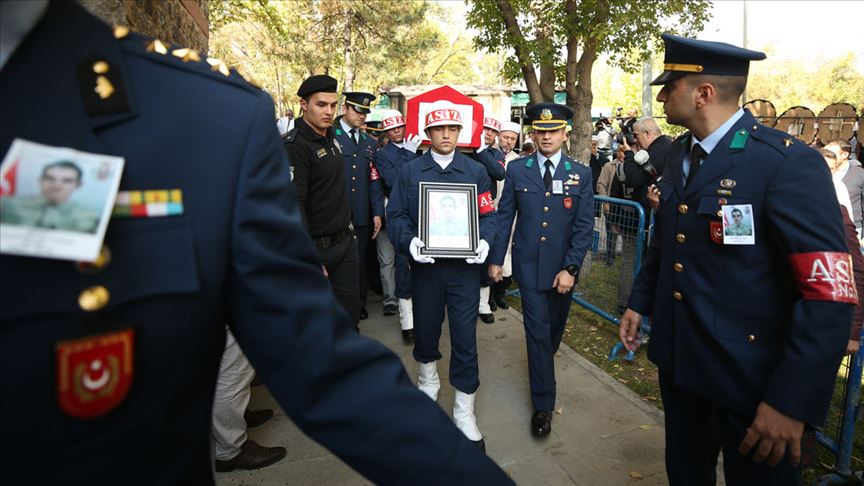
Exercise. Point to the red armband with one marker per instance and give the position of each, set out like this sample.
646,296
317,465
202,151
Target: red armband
502,164
824,275
373,172
485,203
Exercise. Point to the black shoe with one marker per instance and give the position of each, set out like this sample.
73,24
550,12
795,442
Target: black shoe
389,310
502,304
363,314
408,336
541,423
481,444
252,456
492,305
257,417
487,318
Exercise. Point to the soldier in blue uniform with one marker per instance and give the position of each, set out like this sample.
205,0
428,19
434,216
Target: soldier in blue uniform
492,159
553,198
398,151
156,303
747,337
362,181
450,283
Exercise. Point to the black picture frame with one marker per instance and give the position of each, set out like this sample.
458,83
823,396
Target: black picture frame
448,230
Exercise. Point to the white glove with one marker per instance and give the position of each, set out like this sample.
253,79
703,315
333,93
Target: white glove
482,253
411,143
414,248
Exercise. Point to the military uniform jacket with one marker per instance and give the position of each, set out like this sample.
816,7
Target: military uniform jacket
237,254
493,161
404,209
389,159
553,231
729,321
362,180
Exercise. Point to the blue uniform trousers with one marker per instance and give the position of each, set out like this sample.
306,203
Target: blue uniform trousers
456,285
403,275
544,314
697,429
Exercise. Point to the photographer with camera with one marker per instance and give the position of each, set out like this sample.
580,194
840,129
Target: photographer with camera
642,168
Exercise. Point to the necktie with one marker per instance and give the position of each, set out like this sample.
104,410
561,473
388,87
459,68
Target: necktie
696,155
354,135
547,177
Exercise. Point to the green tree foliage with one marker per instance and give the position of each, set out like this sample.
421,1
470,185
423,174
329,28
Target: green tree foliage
562,39
365,44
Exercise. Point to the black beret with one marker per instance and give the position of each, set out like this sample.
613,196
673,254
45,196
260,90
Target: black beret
320,83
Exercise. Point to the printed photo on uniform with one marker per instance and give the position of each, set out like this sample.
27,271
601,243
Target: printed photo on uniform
449,219
738,226
55,202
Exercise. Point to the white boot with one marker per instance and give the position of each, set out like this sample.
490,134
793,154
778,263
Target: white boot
428,381
463,415
406,314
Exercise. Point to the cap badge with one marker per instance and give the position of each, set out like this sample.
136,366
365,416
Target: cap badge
546,114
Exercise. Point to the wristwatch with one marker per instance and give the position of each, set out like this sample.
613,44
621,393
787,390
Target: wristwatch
572,269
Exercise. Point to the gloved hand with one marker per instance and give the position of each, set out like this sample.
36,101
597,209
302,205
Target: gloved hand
414,248
412,142
482,253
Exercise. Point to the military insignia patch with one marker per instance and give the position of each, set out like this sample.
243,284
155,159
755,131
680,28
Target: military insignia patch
94,374
373,172
322,153
727,183
824,275
568,202
148,204
546,114
485,203
717,232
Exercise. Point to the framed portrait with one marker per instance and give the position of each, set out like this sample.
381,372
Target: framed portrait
448,220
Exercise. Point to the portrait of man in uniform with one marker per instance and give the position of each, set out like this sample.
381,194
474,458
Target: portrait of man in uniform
448,218
448,222
52,208
737,224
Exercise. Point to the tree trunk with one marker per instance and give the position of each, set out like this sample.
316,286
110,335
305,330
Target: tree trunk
348,83
578,83
525,64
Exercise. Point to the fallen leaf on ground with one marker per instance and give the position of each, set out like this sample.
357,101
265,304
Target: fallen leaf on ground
636,475
558,354
646,427
558,410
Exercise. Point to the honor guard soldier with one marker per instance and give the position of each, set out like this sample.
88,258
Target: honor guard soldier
316,162
389,159
747,332
373,129
111,365
453,284
362,181
552,197
492,159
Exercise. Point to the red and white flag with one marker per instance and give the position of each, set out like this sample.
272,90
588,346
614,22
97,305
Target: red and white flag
7,182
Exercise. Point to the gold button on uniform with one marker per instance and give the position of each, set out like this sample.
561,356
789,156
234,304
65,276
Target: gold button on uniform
751,338
545,224
548,194
353,178
542,238
678,267
677,295
101,262
680,238
353,190
93,298
720,213
682,208
353,166
546,209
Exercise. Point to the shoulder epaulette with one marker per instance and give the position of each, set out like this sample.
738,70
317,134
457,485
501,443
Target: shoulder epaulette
182,58
290,135
778,140
683,138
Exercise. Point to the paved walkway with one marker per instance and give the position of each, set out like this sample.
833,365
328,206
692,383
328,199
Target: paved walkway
604,435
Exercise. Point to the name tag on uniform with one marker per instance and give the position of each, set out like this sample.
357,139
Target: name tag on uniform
557,187
55,202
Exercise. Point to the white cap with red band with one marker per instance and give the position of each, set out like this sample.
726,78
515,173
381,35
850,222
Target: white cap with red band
392,119
443,113
489,122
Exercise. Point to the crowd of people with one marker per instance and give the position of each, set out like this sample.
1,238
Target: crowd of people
114,359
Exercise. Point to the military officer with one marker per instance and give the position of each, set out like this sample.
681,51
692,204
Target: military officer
747,338
52,208
362,181
398,151
552,197
110,368
373,129
453,284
